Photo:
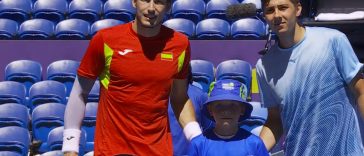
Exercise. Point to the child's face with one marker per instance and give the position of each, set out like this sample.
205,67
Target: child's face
226,111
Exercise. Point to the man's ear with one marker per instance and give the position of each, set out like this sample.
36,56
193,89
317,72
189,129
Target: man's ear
299,9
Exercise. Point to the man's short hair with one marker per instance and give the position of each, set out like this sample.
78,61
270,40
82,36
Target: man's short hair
264,2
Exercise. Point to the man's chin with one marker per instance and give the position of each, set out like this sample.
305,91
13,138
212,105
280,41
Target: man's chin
149,24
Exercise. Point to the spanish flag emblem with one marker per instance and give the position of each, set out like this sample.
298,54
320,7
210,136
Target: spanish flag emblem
167,56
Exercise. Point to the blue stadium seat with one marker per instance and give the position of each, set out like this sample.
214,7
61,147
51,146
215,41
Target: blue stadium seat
182,25
257,119
55,140
213,28
45,92
217,8
94,94
235,69
14,139
17,10
13,114
36,29
53,153
27,72
63,71
89,154
89,124
202,74
53,10
88,10
258,3
9,153
119,9
193,10
72,29
105,23
8,29
45,118
248,28
12,92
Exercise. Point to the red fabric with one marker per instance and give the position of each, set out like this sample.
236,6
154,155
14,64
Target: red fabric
132,116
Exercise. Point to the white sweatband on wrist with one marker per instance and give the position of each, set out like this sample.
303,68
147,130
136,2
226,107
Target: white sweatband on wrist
191,130
71,140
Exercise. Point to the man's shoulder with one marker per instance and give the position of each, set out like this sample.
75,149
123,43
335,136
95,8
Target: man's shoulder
114,30
323,31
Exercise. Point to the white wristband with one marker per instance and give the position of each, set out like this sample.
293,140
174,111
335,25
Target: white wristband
71,140
191,130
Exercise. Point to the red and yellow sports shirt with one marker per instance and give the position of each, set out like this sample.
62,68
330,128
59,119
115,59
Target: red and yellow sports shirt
136,74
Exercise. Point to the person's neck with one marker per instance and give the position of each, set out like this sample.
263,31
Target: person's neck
226,132
144,31
291,38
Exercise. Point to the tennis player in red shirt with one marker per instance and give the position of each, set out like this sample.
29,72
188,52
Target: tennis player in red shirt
140,65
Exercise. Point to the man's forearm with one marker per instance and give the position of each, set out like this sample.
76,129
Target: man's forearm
272,129
74,115
187,114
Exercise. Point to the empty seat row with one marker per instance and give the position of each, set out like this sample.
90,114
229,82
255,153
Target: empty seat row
93,10
214,28
58,10
203,72
70,29
45,118
73,29
39,93
29,72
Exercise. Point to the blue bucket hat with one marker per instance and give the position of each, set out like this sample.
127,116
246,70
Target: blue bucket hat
228,89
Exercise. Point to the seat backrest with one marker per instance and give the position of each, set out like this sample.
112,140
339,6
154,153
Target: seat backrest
64,71
119,9
248,28
89,122
53,153
9,153
46,117
91,111
102,24
55,139
14,138
202,74
8,28
94,94
89,154
12,92
258,3
193,10
54,10
213,28
14,114
36,29
72,29
27,72
45,92
17,10
258,116
182,25
217,8
88,10
235,69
